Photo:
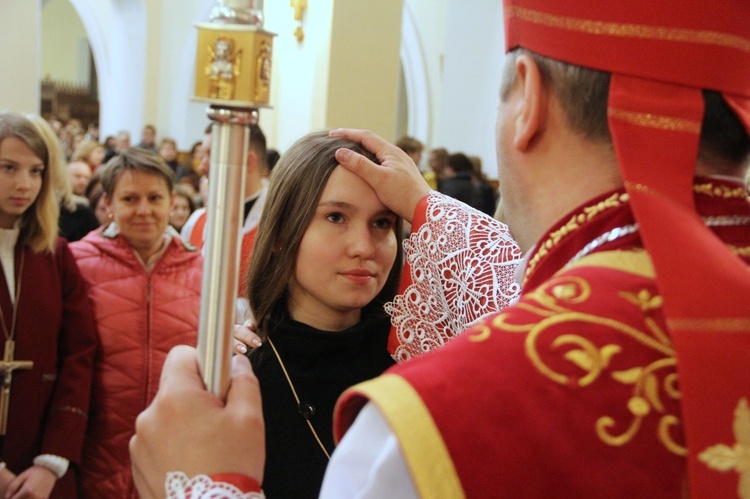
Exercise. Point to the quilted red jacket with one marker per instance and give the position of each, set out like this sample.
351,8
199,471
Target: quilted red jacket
140,317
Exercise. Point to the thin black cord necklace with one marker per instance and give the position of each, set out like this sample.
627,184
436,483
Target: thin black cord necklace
306,410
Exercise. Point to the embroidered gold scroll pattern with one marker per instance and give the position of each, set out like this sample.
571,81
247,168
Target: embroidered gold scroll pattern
724,458
575,222
629,30
721,191
656,121
554,308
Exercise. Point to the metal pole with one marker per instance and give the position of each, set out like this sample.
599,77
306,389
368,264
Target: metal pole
233,75
230,138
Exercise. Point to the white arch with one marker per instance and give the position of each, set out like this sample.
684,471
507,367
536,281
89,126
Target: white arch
117,34
415,76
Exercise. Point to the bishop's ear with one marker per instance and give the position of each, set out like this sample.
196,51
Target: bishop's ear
532,106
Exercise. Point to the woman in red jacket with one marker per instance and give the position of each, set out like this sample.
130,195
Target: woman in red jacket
145,285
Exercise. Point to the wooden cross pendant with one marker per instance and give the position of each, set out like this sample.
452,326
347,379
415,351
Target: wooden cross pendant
7,366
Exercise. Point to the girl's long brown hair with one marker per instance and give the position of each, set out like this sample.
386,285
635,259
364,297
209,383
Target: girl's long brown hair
297,182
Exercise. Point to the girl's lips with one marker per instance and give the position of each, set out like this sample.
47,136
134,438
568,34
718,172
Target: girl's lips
359,276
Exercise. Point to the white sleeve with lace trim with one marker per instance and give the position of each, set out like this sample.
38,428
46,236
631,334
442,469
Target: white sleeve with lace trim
461,264
179,486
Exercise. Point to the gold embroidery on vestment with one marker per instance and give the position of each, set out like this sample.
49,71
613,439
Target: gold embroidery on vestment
665,434
724,458
553,305
589,213
624,30
721,191
483,334
636,262
656,121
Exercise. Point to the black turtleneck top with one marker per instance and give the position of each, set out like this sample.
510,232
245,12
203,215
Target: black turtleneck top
321,365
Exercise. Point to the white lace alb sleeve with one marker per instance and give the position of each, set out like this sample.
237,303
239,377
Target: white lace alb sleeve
461,265
179,486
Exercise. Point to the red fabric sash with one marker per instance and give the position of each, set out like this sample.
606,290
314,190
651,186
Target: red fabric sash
196,237
709,335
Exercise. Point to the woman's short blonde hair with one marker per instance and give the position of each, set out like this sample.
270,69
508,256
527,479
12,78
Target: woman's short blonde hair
39,223
134,159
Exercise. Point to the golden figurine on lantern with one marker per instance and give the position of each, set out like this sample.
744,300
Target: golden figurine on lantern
223,68
263,72
233,65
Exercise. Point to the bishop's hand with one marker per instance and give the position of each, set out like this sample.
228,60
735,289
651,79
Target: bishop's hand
397,180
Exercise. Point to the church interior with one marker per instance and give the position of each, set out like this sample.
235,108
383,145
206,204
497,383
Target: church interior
422,68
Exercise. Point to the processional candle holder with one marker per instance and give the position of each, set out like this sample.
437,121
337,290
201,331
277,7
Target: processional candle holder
233,75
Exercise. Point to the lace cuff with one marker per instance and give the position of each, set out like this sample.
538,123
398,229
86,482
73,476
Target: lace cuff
460,266
179,486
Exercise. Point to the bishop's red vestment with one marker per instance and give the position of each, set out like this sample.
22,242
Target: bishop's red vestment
574,390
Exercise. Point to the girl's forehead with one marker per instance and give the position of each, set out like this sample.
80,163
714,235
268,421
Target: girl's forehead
347,187
342,180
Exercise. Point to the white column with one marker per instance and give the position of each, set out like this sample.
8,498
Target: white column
20,26
363,81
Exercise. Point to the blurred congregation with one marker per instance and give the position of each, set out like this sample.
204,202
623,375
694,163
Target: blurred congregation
454,174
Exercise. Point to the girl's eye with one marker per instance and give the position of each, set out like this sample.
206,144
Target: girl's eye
37,171
335,217
8,167
155,198
384,223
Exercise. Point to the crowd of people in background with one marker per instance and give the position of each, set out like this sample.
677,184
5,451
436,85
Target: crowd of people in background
85,152
134,218
130,287
457,175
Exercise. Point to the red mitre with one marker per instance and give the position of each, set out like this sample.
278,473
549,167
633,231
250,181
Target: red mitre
661,54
